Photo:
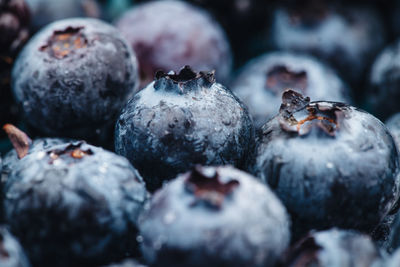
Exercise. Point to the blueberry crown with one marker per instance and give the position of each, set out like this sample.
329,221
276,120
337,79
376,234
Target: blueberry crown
209,188
297,114
185,81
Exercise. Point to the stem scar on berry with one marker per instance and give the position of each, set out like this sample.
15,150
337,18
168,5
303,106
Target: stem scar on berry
298,114
281,77
63,42
20,141
74,151
209,188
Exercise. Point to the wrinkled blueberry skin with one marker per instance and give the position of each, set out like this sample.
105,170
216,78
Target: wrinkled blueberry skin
11,252
162,35
74,210
170,126
262,81
249,228
393,124
384,89
333,248
73,91
47,11
348,178
346,36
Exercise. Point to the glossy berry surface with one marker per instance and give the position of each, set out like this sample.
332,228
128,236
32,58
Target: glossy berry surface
47,11
347,36
80,70
334,248
384,89
214,217
180,120
167,35
261,82
74,205
11,252
331,164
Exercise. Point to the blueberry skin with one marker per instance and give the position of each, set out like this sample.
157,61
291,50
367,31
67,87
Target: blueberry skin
346,36
10,160
340,174
393,260
11,252
383,87
334,248
73,77
230,219
393,124
167,35
177,122
262,81
45,12
74,204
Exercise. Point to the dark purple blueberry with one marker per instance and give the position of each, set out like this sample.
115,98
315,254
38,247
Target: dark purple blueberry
347,36
214,216
46,11
384,88
14,23
393,124
11,252
333,248
261,82
167,35
180,120
331,164
74,205
73,77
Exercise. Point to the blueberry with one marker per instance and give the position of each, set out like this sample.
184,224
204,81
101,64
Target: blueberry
167,35
74,205
11,252
393,260
262,81
14,23
214,216
73,78
46,11
384,90
331,164
180,120
334,248
347,36
393,124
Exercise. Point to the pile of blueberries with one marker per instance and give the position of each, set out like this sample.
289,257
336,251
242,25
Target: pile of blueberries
199,133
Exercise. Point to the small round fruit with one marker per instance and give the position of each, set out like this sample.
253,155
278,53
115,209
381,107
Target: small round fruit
180,120
74,205
73,77
167,35
11,252
331,164
214,216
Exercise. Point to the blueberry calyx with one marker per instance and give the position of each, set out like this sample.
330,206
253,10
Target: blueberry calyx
298,114
72,151
64,42
185,81
20,140
281,77
208,188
